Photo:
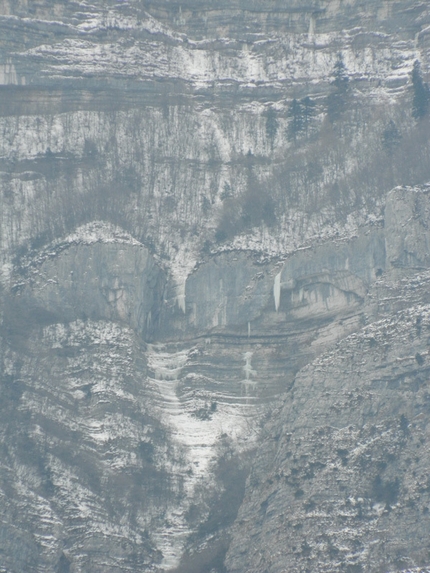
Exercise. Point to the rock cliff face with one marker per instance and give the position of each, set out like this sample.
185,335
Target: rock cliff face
338,483
341,480
213,324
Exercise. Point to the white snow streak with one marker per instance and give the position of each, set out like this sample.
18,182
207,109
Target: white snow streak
277,290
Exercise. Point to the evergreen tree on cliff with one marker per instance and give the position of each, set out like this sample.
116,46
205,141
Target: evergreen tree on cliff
271,126
421,98
336,101
308,111
296,120
391,137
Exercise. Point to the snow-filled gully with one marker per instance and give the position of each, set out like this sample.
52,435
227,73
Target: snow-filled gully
197,438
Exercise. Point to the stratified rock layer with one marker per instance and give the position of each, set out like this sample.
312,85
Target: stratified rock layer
173,260
340,482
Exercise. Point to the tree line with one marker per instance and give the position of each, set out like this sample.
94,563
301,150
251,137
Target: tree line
301,112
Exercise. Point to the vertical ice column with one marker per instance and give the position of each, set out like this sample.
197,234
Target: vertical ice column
277,290
248,368
180,296
8,74
312,24
249,373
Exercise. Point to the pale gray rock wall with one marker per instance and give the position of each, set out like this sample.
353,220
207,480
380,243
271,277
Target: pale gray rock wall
407,216
215,384
233,290
140,363
340,482
102,281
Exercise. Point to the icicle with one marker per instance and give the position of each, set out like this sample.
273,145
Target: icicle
248,368
180,297
249,373
311,31
249,329
277,290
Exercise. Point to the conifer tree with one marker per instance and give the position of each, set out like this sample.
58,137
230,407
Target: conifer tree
308,111
296,120
271,126
391,137
421,98
336,101
341,80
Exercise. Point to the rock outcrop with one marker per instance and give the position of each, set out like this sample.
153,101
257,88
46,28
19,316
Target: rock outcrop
340,482
213,337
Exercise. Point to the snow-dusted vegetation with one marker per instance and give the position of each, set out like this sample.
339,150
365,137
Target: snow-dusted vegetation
214,256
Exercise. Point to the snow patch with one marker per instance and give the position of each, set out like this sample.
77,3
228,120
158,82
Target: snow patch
197,437
100,232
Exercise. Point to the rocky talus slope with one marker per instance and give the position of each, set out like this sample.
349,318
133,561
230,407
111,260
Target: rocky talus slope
213,329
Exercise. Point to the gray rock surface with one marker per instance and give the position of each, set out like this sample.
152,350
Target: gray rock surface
213,348
111,281
340,482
